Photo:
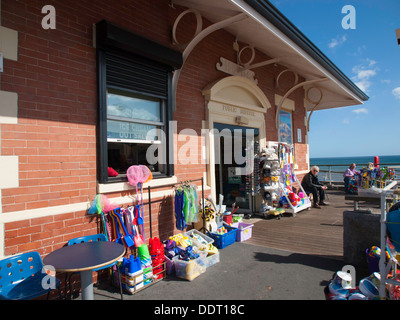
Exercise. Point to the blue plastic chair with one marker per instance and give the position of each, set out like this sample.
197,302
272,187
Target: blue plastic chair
21,277
95,237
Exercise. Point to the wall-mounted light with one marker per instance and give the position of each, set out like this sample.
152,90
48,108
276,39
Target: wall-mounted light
398,36
241,120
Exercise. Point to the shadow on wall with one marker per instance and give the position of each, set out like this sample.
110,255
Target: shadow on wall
166,217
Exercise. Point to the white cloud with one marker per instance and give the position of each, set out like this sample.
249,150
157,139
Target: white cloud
360,110
363,85
346,121
396,92
337,41
364,73
371,62
386,81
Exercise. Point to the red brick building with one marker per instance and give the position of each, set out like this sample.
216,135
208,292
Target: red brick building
73,70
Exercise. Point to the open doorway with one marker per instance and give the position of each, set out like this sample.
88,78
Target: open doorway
235,186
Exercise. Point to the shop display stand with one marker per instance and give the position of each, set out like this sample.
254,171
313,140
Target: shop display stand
383,268
286,161
293,210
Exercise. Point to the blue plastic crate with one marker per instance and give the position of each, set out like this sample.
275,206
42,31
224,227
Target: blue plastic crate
223,240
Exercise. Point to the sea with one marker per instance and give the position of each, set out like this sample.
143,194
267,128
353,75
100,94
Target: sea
338,165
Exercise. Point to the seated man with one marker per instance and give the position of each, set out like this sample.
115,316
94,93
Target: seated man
311,184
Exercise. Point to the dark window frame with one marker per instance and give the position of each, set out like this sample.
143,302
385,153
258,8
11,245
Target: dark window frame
119,42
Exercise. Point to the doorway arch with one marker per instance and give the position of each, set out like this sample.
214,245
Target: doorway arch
233,100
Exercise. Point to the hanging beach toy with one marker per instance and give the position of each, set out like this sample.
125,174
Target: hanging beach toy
139,219
119,224
100,205
129,220
137,175
134,175
137,238
147,175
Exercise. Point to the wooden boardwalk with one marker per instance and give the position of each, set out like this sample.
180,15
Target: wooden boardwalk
315,231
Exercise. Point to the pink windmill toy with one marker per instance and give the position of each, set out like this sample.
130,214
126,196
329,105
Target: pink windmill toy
137,175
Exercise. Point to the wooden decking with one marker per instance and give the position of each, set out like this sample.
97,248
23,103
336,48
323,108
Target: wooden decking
315,231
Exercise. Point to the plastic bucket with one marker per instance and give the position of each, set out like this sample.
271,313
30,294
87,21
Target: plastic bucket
369,286
228,219
342,280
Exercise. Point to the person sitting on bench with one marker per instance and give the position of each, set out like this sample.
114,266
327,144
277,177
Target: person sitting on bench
311,184
348,176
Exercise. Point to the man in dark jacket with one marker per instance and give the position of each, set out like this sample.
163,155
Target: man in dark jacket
311,184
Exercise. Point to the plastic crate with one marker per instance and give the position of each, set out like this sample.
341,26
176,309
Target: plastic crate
206,239
135,282
190,270
212,259
244,231
170,267
223,240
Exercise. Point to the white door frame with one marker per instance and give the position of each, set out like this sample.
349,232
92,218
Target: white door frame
233,100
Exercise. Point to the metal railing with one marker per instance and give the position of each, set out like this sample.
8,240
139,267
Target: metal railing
334,177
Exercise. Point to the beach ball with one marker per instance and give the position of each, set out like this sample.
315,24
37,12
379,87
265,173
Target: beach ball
374,252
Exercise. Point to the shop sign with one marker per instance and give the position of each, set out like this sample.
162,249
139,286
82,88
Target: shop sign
237,111
126,130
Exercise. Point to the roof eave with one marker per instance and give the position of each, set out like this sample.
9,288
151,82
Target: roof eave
274,16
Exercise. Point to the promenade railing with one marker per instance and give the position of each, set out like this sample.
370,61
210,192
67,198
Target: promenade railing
331,173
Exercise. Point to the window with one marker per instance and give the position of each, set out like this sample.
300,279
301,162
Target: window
135,102
134,122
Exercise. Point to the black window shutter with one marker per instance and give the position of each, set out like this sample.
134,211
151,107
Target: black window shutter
136,74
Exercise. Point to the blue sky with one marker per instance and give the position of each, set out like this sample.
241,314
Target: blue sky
370,57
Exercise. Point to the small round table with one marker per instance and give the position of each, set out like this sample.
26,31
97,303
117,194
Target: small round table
83,258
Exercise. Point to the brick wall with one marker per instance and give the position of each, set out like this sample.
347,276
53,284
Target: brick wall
55,137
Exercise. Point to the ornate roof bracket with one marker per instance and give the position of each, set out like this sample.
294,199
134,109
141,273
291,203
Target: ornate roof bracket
199,35
301,84
316,102
260,64
319,103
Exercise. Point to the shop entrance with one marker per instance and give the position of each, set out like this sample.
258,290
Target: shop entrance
232,179
232,103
